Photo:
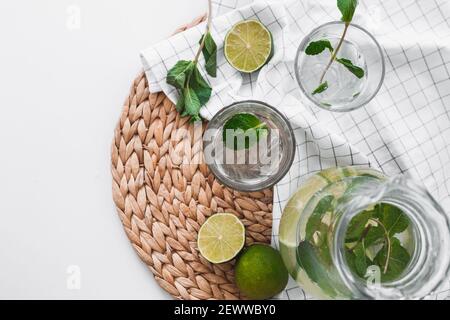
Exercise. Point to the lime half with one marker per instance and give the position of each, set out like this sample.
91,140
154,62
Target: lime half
221,237
248,46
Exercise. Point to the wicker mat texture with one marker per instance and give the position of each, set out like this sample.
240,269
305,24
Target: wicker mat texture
162,202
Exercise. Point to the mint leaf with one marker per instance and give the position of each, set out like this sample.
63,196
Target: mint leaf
210,54
350,258
191,103
321,88
316,47
357,260
200,86
393,219
317,228
357,71
179,73
361,261
357,226
347,8
398,260
243,126
374,235
323,206
180,103
309,260
194,90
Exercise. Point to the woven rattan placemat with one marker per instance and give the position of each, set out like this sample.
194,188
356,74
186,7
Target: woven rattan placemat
162,202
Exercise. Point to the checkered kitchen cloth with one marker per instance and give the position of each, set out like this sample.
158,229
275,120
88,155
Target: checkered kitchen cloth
405,129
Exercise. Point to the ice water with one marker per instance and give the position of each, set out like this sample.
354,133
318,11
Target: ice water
257,163
265,156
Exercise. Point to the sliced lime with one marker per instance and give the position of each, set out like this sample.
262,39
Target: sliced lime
248,46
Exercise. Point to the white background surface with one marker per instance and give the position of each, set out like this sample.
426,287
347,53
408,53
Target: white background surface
61,91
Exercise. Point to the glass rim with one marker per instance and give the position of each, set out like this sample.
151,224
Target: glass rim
281,173
380,51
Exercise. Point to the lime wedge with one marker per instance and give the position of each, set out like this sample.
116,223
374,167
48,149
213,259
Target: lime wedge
221,237
248,46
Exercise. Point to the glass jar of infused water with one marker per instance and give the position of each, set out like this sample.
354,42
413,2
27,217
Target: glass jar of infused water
353,233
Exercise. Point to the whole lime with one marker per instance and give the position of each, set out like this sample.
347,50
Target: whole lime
260,272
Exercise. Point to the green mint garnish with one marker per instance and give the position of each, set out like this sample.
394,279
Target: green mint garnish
178,74
193,89
358,260
357,225
396,260
194,92
357,71
316,47
317,227
321,88
180,103
210,54
309,259
200,86
347,8
191,103
245,129
393,219
315,220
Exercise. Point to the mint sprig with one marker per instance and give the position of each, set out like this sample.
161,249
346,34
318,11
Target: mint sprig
194,91
347,9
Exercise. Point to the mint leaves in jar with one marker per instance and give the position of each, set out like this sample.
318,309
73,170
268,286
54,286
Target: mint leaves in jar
378,237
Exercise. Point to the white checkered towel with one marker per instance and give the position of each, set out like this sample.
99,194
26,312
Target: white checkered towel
406,128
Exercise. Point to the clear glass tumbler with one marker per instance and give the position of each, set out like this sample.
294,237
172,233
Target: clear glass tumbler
345,91
258,162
